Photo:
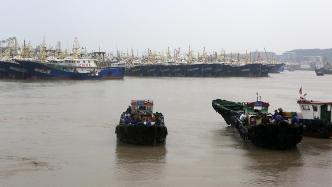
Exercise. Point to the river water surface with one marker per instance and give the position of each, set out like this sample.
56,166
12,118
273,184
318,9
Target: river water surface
61,133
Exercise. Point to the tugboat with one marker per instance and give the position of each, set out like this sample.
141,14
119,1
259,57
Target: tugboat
316,117
254,123
139,125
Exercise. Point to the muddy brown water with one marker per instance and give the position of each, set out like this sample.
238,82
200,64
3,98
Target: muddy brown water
61,133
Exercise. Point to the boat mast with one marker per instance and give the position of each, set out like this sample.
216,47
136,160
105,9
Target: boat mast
256,96
189,55
267,58
76,48
42,51
250,57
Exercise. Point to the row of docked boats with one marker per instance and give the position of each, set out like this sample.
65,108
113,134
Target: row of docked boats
67,68
77,68
217,69
54,63
88,68
281,130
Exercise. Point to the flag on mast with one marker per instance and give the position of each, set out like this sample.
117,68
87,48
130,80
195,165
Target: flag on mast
300,91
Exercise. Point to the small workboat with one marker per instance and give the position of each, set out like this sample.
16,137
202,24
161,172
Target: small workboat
139,125
316,117
254,123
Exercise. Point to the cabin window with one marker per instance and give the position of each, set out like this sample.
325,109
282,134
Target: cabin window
314,108
305,107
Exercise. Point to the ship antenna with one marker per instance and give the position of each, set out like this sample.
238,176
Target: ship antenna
256,96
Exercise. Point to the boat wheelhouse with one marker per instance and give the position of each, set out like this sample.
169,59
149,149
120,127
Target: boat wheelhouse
76,64
251,107
144,108
316,110
79,62
316,117
254,110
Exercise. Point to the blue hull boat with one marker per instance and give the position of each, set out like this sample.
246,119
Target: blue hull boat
12,70
44,70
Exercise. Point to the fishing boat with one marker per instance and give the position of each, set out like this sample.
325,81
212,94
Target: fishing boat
139,125
276,67
69,68
316,117
43,63
9,69
254,123
320,71
323,69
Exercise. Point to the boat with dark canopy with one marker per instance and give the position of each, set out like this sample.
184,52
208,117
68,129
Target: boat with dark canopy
254,123
139,125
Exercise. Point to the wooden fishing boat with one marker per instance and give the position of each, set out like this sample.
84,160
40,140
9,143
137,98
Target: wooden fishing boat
139,125
254,123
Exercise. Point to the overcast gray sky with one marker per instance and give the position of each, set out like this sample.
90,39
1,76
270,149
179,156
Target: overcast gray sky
233,25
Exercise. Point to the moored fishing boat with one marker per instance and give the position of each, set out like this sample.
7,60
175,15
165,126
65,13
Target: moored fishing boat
69,68
139,125
43,63
197,70
323,69
254,123
319,71
275,67
9,69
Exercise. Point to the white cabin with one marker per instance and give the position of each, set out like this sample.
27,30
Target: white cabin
88,63
315,109
78,65
73,62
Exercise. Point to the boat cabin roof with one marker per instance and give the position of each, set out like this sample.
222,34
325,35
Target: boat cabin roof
141,102
304,101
